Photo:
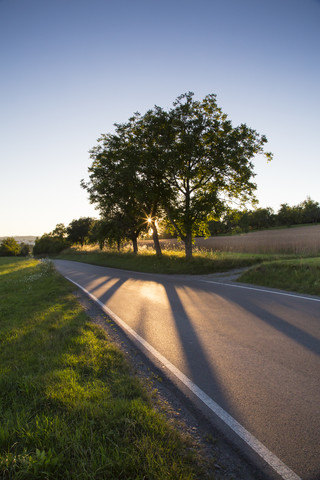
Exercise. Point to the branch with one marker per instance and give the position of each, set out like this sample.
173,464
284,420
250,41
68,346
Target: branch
175,226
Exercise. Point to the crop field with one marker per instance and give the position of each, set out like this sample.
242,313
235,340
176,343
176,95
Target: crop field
295,240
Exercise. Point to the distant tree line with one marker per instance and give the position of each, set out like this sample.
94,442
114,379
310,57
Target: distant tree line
82,231
79,231
90,231
243,221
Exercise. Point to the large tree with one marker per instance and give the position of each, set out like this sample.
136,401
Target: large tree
186,164
209,164
148,141
127,175
113,183
78,231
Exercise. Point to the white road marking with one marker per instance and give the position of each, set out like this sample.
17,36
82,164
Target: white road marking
285,472
273,292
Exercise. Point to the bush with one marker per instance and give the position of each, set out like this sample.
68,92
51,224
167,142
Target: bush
25,250
9,247
48,244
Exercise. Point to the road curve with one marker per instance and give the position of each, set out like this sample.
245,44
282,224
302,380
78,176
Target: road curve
254,353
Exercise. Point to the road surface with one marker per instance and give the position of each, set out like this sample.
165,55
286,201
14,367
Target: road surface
250,357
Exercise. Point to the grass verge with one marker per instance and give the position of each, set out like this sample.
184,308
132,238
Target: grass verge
70,407
171,262
298,275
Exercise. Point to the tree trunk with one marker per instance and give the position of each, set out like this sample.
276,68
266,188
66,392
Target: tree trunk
156,242
135,245
188,245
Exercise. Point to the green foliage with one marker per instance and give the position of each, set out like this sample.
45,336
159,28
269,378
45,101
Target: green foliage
9,247
25,250
299,275
116,185
49,245
238,221
59,231
210,163
310,211
307,211
183,164
289,215
109,232
78,231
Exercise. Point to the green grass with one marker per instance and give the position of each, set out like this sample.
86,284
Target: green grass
297,275
171,262
70,407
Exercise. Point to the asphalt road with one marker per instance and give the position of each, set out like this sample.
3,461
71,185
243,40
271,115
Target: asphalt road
252,353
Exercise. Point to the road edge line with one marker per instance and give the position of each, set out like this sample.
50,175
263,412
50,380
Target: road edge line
271,459
263,290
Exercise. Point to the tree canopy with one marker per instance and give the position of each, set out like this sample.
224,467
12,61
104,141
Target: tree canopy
9,247
78,231
185,165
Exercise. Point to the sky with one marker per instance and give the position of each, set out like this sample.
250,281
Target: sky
70,69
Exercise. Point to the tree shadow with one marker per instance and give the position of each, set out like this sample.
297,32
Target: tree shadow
105,292
295,333
201,369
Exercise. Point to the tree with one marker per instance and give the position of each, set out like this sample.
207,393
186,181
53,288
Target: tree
235,221
48,244
60,231
310,211
114,183
109,232
25,250
150,139
78,231
185,164
261,218
9,247
289,215
209,164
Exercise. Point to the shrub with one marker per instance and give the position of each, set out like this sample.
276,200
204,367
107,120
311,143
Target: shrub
48,244
9,247
25,250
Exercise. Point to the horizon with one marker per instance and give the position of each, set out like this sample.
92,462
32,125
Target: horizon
252,209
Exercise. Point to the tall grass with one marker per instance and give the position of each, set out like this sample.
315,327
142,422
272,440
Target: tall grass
299,275
70,407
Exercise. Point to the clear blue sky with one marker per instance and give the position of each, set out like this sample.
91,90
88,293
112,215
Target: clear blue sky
70,69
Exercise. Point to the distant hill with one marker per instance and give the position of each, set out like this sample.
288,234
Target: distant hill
29,239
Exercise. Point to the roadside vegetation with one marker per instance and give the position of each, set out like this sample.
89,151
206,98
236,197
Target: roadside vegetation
300,275
171,262
70,406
